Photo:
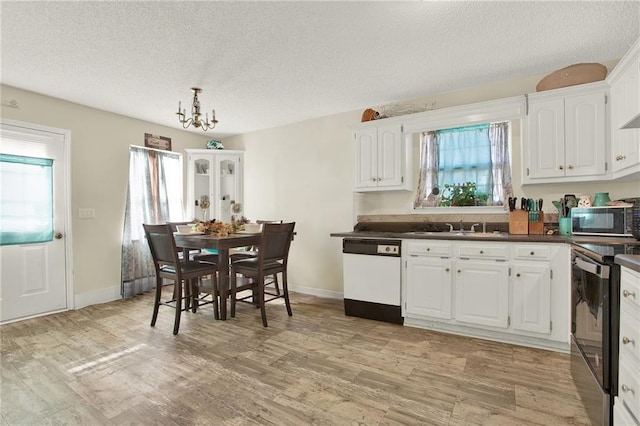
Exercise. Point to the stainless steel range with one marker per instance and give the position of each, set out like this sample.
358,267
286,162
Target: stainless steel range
595,326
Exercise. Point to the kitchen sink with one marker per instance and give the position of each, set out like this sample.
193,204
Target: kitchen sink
423,232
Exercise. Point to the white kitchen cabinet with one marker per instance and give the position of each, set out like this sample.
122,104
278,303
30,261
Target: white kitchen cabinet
513,292
532,297
482,293
566,138
381,159
429,287
625,114
216,176
627,404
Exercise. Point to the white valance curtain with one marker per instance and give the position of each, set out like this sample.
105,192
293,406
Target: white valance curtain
154,195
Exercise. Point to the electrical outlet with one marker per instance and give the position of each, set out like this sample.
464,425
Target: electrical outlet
86,213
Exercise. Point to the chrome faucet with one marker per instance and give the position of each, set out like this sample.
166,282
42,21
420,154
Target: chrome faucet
473,227
450,227
461,226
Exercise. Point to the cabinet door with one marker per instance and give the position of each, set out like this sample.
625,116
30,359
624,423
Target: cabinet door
366,155
585,135
625,143
546,139
389,167
200,184
532,297
228,188
630,84
429,287
482,293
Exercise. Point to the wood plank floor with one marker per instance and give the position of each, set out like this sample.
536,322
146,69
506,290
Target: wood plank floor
104,365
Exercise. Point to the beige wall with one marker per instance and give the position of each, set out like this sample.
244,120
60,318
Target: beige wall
99,172
304,172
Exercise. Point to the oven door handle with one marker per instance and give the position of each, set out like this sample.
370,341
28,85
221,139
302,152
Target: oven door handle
601,271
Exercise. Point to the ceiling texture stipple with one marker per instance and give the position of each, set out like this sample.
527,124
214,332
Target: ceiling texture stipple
266,64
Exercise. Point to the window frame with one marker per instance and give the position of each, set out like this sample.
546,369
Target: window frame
507,109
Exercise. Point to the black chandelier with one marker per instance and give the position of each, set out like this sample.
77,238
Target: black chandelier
196,118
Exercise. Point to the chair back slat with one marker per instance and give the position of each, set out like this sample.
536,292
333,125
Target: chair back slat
276,241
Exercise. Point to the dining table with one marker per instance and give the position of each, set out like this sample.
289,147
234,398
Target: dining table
222,244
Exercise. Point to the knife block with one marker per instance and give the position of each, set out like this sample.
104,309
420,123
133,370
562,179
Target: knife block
537,228
519,222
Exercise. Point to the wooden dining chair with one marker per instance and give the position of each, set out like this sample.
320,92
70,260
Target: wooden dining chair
185,274
272,259
252,252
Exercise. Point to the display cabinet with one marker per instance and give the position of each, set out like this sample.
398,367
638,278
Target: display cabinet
214,184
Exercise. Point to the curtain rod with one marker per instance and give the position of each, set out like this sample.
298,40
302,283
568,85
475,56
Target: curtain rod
155,149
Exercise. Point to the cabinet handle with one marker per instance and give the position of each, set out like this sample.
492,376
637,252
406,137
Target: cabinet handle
626,341
561,167
627,293
481,251
570,167
533,253
518,274
620,157
447,270
458,270
626,388
428,249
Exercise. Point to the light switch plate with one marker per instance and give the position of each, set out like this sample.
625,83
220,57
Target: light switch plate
86,213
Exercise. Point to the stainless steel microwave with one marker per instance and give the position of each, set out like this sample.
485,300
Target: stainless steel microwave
608,220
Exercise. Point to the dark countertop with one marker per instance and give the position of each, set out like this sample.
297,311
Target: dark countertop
479,236
631,261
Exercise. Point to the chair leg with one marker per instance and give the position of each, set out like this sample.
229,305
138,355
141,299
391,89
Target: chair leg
215,295
176,323
232,290
275,284
285,289
263,311
195,293
156,302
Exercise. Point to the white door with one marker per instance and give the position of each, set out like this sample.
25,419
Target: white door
33,196
585,136
546,139
390,155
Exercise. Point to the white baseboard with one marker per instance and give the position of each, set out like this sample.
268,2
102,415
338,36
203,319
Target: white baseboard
95,297
317,292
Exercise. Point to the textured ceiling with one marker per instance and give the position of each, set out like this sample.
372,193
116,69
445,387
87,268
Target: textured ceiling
265,64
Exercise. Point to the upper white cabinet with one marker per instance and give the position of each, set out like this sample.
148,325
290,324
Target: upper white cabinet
625,114
382,158
214,184
565,138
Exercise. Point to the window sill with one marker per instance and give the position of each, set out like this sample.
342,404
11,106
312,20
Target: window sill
460,210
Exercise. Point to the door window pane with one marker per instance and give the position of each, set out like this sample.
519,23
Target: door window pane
26,200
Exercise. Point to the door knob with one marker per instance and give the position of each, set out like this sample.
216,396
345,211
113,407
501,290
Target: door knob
57,235
627,293
626,340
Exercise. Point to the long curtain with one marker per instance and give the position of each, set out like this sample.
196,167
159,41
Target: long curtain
154,195
428,178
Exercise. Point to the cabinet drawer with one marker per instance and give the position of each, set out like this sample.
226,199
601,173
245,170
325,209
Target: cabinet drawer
429,248
630,292
483,251
629,387
629,337
533,252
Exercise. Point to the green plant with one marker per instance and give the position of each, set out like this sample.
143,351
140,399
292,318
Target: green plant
460,195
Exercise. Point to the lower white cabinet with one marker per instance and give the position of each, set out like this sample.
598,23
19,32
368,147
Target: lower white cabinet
482,293
429,285
513,292
532,297
627,403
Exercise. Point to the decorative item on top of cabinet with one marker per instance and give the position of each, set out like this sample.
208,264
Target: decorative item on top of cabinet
565,137
216,176
382,158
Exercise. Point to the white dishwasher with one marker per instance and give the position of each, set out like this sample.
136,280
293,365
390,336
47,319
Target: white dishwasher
371,278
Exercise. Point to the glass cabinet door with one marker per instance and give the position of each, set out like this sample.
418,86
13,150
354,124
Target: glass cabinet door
201,193
229,185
